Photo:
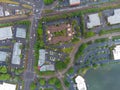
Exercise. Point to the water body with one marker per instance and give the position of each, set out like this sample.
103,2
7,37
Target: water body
104,78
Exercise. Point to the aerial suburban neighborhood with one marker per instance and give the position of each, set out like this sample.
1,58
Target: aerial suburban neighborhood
59,44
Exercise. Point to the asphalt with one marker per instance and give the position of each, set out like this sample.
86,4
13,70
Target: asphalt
29,74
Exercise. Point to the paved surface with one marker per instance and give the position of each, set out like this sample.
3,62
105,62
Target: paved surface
29,74
62,73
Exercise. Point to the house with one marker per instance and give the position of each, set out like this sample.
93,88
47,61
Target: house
74,2
3,56
116,52
94,20
115,19
16,54
6,33
81,85
21,32
7,86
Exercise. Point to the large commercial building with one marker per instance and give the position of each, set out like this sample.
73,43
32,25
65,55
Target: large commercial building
16,54
7,86
3,56
94,20
81,85
6,33
116,52
41,62
115,19
1,11
41,57
74,2
21,32
47,68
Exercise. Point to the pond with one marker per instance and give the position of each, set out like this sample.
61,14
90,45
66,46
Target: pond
104,78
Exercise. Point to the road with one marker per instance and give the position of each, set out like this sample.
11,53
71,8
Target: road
29,74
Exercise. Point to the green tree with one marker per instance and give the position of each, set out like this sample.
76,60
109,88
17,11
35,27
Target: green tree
3,69
32,86
42,81
47,2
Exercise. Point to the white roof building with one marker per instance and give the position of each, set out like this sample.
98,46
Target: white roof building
115,19
47,68
6,33
80,83
16,54
116,52
3,56
21,32
7,13
41,57
7,86
1,11
94,20
74,2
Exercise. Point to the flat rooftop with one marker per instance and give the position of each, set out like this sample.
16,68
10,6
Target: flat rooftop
115,19
21,32
94,20
16,54
47,68
3,56
41,60
81,85
74,2
6,33
7,86
116,52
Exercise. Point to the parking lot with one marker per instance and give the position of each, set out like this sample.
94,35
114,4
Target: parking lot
8,44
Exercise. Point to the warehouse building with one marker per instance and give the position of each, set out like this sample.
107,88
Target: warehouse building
3,56
7,86
21,33
16,54
115,19
74,2
6,33
94,21
47,68
42,66
41,57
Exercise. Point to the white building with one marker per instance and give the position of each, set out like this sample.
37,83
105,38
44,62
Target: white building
115,19
47,68
1,11
74,2
7,86
16,54
41,57
6,33
3,56
21,32
94,20
80,83
41,62
116,52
